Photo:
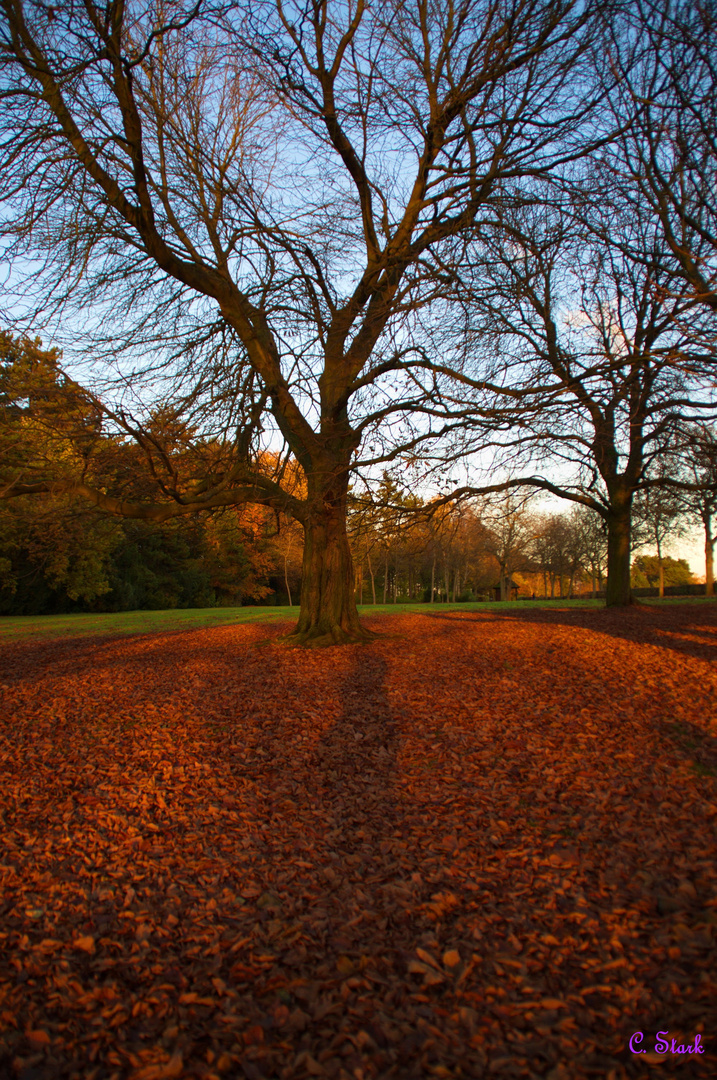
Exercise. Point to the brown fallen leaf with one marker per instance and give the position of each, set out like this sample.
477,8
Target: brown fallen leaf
165,1071
430,974
427,958
38,1037
84,944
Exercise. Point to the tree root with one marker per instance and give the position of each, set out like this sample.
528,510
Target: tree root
316,638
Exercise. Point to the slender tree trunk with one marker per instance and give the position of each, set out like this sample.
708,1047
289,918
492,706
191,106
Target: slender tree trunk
433,580
709,557
373,579
618,593
660,572
328,613
286,576
385,579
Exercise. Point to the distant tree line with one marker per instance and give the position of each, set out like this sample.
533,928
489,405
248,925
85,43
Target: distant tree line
58,553
63,557
476,550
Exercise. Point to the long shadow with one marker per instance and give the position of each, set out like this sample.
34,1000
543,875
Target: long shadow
353,773
690,629
344,783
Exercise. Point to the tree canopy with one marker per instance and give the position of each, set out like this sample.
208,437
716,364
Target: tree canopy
263,219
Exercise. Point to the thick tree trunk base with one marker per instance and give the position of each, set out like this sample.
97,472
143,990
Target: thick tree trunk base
629,601
329,615
618,591
316,638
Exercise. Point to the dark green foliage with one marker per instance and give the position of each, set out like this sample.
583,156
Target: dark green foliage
646,572
160,567
55,557
60,560
58,554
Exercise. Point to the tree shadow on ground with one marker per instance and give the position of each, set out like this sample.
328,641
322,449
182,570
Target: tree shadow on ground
690,628
386,860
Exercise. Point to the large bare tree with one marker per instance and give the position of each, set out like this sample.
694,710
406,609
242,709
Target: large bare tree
259,197
601,353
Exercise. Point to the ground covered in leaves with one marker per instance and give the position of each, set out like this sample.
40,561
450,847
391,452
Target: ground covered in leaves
482,845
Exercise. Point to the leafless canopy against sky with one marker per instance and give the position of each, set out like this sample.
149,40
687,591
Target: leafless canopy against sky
262,212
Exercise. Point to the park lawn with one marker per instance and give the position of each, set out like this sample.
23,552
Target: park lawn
19,627
35,627
483,844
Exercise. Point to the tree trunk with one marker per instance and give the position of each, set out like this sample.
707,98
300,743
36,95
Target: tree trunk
709,557
433,580
618,593
660,572
446,579
373,579
328,613
286,576
385,579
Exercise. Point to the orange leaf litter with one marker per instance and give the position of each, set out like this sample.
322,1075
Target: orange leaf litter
482,845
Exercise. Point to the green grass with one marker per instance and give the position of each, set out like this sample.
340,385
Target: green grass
30,627
507,606
15,627
678,600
